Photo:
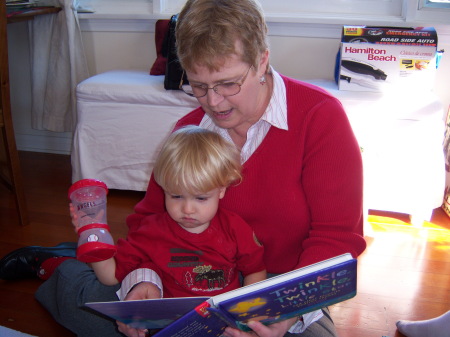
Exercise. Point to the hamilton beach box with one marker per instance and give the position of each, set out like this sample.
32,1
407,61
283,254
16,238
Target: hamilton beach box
387,58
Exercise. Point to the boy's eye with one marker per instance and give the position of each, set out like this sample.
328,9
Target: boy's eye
175,196
202,198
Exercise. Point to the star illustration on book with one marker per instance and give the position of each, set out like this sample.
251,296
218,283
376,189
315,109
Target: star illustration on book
246,306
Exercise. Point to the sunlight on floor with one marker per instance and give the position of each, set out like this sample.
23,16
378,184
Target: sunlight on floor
376,219
439,235
417,260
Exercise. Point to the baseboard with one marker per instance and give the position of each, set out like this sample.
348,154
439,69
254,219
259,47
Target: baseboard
59,144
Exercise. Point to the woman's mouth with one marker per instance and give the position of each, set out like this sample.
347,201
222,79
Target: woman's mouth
223,113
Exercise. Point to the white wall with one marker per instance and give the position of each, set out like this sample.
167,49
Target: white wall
296,56
119,50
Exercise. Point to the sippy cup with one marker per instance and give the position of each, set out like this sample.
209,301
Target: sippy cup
95,243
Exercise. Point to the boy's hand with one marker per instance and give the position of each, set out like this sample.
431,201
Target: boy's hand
141,291
74,217
77,223
131,332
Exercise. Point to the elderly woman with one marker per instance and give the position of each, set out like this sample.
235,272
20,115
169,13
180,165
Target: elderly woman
302,171
302,186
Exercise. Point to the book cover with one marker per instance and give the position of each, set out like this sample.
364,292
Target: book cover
289,297
275,299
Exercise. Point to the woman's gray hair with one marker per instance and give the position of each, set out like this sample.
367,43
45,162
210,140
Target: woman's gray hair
209,31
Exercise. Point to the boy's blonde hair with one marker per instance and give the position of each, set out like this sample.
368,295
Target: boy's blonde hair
196,160
207,31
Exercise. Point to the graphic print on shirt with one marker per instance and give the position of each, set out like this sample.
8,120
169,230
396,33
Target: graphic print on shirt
193,272
212,276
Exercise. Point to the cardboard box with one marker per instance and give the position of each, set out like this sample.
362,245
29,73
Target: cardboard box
387,58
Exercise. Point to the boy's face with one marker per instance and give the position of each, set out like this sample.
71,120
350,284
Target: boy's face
193,212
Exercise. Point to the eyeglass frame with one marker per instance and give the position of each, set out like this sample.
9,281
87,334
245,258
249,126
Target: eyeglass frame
240,83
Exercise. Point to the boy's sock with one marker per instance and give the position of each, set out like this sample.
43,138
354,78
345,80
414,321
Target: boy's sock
435,327
48,266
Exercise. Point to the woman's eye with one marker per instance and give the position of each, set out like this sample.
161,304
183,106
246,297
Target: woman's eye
227,84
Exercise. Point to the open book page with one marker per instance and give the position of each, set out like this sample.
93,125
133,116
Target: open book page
148,314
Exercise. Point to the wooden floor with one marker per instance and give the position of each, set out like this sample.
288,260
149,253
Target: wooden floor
403,274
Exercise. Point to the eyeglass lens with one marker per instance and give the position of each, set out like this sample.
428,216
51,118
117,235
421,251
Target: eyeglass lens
223,89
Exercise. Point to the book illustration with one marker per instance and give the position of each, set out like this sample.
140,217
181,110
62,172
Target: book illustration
275,299
199,322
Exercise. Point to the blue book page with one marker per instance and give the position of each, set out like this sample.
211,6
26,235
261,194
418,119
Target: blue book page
148,314
198,323
293,297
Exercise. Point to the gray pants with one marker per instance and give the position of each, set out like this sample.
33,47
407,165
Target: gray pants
74,283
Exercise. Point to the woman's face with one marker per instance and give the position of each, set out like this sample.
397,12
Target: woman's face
242,110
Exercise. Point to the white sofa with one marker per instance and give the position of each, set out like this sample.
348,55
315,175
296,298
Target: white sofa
124,116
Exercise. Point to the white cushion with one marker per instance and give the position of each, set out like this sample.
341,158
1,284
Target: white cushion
131,86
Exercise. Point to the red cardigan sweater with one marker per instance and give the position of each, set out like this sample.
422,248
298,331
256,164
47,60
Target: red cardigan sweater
302,188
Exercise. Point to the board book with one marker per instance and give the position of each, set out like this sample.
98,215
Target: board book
275,299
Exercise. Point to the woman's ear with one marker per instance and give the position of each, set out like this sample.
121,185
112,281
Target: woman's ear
264,63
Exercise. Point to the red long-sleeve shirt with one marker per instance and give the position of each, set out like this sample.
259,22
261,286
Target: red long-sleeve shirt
191,264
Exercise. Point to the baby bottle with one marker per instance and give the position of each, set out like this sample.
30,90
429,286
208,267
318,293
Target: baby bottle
95,243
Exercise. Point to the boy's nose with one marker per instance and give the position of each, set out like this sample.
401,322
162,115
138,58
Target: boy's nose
188,207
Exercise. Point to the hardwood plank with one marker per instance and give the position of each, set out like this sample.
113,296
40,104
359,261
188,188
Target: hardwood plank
24,313
403,274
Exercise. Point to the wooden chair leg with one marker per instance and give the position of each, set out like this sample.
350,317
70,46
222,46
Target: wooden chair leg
10,172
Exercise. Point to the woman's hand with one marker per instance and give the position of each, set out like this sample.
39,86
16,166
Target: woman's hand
141,291
261,330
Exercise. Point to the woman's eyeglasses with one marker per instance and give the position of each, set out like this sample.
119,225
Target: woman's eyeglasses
223,89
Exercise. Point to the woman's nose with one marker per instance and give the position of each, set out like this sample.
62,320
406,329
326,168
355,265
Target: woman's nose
213,98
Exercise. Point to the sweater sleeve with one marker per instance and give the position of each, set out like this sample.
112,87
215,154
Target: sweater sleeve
152,203
250,254
333,183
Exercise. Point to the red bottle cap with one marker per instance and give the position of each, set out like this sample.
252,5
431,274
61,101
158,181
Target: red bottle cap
87,183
